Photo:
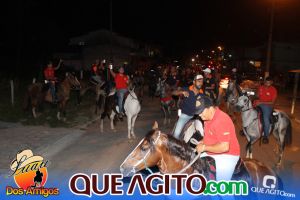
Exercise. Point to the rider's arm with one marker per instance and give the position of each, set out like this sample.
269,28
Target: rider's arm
59,64
112,73
221,147
180,92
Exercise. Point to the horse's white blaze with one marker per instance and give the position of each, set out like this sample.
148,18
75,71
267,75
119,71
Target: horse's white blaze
143,159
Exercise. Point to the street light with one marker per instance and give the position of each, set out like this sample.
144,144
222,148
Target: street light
269,51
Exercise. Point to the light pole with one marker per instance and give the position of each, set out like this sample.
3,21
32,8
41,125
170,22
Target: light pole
269,50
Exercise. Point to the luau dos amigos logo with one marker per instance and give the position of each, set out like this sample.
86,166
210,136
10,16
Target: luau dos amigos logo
30,174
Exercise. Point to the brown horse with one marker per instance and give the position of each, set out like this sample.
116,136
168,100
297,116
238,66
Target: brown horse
171,156
98,89
36,95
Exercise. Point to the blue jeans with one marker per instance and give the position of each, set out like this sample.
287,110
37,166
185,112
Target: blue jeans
120,95
52,90
182,120
267,111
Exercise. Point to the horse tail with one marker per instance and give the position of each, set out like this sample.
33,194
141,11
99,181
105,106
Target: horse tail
288,136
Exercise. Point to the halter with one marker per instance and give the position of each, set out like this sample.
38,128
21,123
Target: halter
247,105
144,158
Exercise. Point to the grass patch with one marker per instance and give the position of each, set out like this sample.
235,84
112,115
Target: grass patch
75,114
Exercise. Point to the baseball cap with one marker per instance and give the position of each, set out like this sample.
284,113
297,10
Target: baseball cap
207,70
202,103
199,76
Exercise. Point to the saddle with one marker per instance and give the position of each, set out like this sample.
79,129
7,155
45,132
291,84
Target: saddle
210,171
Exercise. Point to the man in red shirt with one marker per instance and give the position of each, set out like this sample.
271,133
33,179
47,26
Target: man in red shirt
49,74
219,141
121,81
267,95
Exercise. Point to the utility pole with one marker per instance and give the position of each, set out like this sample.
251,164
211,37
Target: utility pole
269,50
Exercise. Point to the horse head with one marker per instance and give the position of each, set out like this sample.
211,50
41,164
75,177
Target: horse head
160,149
145,154
243,102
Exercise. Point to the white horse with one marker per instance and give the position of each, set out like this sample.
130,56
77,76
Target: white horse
132,108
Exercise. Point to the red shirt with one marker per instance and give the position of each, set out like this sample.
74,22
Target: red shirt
221,129
95,69
267,94
121,81
49,73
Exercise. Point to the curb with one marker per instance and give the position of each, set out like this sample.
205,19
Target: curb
56,147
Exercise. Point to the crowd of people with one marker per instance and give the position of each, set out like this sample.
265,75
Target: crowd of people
198,90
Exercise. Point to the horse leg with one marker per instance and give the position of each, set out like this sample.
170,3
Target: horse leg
132,126
169,115
165,114
33,112
129,118
111,117
101,121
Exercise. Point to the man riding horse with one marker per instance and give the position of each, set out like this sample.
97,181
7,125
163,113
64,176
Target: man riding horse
190,94
50,78
267,95
220,141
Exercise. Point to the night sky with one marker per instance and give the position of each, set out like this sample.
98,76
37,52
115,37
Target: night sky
36,27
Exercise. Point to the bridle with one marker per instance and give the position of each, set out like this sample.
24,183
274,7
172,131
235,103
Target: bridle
143,160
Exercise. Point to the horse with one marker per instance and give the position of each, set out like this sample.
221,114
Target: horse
132,108
109,110
232,94
97,88
175,156
192,132
36,94
282,128
166,100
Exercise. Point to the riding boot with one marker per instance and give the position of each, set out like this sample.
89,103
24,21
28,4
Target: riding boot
265,140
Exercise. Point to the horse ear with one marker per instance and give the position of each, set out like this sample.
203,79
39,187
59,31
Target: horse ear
155,125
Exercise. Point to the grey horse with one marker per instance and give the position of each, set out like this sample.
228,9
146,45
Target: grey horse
166,101
282,127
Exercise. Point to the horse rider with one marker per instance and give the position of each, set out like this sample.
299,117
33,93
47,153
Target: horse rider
209,84
49,74
191,94
267,95
121,81
219,141
236,76
95,72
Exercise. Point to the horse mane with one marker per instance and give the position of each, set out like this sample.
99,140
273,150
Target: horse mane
178,148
